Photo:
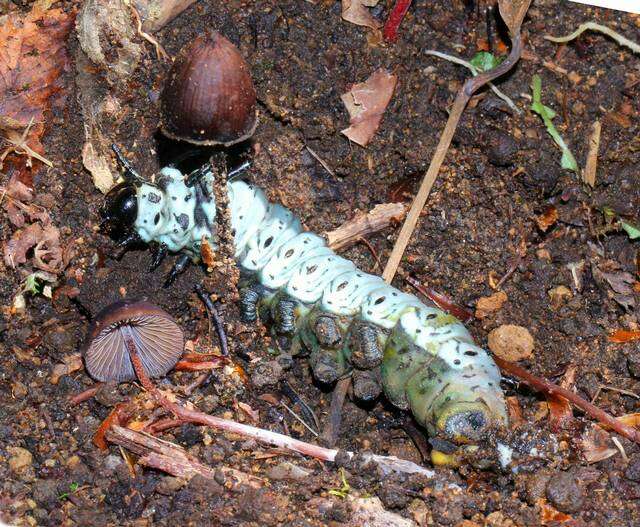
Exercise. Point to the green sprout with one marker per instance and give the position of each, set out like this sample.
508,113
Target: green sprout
547,114
344,488
73,487
610,216
485,61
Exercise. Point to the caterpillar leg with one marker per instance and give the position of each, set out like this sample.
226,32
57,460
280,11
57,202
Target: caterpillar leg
250,298
365,345
178,268
158,256
366,384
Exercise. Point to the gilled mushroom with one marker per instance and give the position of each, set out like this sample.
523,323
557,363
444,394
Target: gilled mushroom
130,339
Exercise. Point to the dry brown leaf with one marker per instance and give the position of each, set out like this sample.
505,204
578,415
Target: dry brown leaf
624,335
16,199
551,516
560,412
254,415
45,241
595,445
357,12
207,253
515,412
366,102
33,57
548,217
99,168
589,172
513,12
488,304
68,365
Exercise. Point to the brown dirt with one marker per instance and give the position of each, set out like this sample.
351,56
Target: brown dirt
500,173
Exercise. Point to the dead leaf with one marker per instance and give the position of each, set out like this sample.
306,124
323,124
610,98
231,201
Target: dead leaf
515,412
33,56
595,445
99,168
589,172
630,419
548,217
45,242
624,335
356,12
16,199
68,365
560,412
551,516
207,253
254,415
366,102
488,304
512,13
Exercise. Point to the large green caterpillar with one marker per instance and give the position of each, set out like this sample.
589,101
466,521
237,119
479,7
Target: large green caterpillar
347,321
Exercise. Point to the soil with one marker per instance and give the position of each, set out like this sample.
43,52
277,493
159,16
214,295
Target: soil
481,223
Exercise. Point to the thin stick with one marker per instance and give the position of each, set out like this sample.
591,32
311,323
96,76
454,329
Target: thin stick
465,93
547,387
332,427
215,317
623,41
589,172
85,395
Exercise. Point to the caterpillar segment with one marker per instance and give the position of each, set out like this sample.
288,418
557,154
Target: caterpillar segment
345,320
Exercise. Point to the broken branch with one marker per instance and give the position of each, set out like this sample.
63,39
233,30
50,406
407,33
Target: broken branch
551,389
350,232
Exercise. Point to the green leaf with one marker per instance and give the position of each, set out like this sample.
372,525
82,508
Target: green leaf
633,231
485,61
32,284
344,488
567,161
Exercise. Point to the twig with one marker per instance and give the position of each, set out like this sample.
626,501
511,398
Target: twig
372,251
324,164
332,427
390,30
589,173
474,71
306,410
352,231
299,419
173,459
549,388
215,317
464,95
85,395
160,52
623,41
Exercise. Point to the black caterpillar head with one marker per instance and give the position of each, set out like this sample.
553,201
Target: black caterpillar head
120,209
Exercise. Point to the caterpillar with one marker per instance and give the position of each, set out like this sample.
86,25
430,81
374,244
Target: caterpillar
345,320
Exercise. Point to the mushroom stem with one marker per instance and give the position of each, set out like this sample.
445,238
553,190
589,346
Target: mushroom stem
136,362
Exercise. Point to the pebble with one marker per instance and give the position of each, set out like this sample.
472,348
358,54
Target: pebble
633,362
20,462
169,485
45,492
267,374
287,471
511,343
502,149
564,492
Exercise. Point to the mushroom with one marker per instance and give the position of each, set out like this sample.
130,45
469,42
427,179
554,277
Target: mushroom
129,339
209,98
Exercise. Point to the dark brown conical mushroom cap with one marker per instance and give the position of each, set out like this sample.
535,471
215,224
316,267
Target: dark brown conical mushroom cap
209,98
158,339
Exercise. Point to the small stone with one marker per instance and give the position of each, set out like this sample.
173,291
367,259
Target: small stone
564,493
502,149
287,471
511,343
488,304
169,485
633,362
267,374
20,461
559,295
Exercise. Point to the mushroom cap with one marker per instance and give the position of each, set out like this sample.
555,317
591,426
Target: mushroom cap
158,338
209,98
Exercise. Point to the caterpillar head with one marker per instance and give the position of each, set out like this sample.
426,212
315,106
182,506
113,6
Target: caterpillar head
119,211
